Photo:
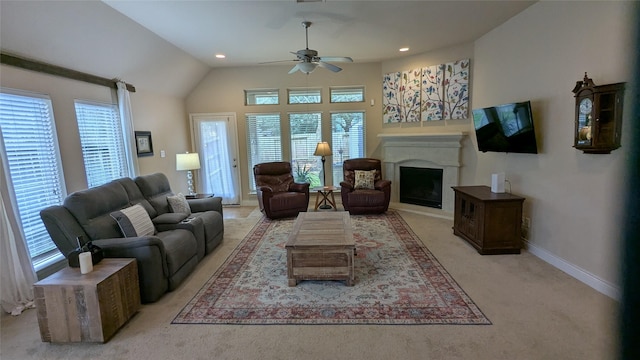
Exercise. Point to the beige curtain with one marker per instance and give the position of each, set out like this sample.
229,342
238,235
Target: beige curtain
126,117
16,271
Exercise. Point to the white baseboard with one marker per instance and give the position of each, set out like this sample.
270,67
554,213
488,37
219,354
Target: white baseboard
422,210
593,281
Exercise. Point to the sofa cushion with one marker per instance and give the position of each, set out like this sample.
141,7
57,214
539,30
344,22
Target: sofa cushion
91,208
134,221
364,179
155,188
366,198
180,246
178,204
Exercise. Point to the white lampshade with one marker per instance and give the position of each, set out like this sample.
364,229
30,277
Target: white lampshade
188,161
307,67
323,149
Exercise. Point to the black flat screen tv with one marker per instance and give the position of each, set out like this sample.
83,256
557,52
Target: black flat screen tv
505,128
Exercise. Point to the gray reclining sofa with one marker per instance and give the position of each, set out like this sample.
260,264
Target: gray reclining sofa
167,257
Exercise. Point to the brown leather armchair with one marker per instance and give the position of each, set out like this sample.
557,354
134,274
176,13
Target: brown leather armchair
278,195
364,201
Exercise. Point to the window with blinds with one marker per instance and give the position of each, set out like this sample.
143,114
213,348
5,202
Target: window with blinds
30,141
306,133
261,97
347,139
102,142
346,94
264,141
305,96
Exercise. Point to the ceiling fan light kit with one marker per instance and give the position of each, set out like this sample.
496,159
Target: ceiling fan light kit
308,59
306,67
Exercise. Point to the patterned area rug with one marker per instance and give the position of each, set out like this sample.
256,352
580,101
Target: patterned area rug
398,281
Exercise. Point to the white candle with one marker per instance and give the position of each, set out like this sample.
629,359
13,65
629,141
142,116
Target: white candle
86,264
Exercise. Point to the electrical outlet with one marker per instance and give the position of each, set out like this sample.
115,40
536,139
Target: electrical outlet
526,227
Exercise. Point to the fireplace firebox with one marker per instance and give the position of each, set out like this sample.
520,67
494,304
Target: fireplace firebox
421,186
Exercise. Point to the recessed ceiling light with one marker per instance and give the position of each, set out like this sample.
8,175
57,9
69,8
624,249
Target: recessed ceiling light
404,49
221,56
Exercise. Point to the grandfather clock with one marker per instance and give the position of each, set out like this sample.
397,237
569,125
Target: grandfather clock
598,122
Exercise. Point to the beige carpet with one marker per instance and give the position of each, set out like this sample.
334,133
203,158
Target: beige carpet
537,311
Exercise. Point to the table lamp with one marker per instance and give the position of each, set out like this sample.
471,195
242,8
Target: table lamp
188,162
323,150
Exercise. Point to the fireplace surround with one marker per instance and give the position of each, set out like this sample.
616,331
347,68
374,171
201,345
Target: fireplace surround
431,151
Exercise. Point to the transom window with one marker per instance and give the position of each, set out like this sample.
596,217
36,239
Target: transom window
305,96
344,94
262,97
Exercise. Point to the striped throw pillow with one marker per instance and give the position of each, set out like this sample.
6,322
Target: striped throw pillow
134,221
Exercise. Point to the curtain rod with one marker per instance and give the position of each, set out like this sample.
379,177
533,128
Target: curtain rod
59,71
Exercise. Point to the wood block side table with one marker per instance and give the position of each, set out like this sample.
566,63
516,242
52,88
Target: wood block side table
75,307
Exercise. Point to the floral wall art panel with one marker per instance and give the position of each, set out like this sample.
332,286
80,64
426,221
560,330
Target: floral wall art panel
390,98
456,90
432,91
410,89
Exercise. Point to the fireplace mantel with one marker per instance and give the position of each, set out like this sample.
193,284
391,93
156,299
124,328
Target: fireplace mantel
435,150
452,136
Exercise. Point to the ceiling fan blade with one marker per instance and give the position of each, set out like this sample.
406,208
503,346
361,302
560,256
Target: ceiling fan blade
336,58
277,61
294,69
329,66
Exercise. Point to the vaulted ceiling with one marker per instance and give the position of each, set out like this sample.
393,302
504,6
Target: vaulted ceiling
169,45
251,32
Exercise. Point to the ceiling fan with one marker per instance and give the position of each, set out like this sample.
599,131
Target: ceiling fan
308,59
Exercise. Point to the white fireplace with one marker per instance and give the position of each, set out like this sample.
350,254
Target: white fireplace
433,151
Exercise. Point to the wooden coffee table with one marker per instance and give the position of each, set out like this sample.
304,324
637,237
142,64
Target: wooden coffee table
321,247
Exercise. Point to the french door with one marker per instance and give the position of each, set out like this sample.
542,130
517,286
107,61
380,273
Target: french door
215,140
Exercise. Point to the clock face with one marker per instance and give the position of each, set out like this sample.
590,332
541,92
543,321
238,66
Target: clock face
585,106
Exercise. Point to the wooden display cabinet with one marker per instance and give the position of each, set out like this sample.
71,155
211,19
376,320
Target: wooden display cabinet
598,121
490,222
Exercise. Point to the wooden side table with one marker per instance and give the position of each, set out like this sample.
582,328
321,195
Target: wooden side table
325,192
75,307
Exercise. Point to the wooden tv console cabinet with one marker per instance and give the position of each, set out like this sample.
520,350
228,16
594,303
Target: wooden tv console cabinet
489,221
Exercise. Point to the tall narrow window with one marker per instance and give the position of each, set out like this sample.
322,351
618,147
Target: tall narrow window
102,142
30,141
347,137
263,141
306,132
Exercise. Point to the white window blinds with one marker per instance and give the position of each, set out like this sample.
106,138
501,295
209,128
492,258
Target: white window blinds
261,97
263,141
347,137
305,96
102,142
30,141
306,133
347,94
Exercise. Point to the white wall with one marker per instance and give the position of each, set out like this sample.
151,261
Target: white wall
573,199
